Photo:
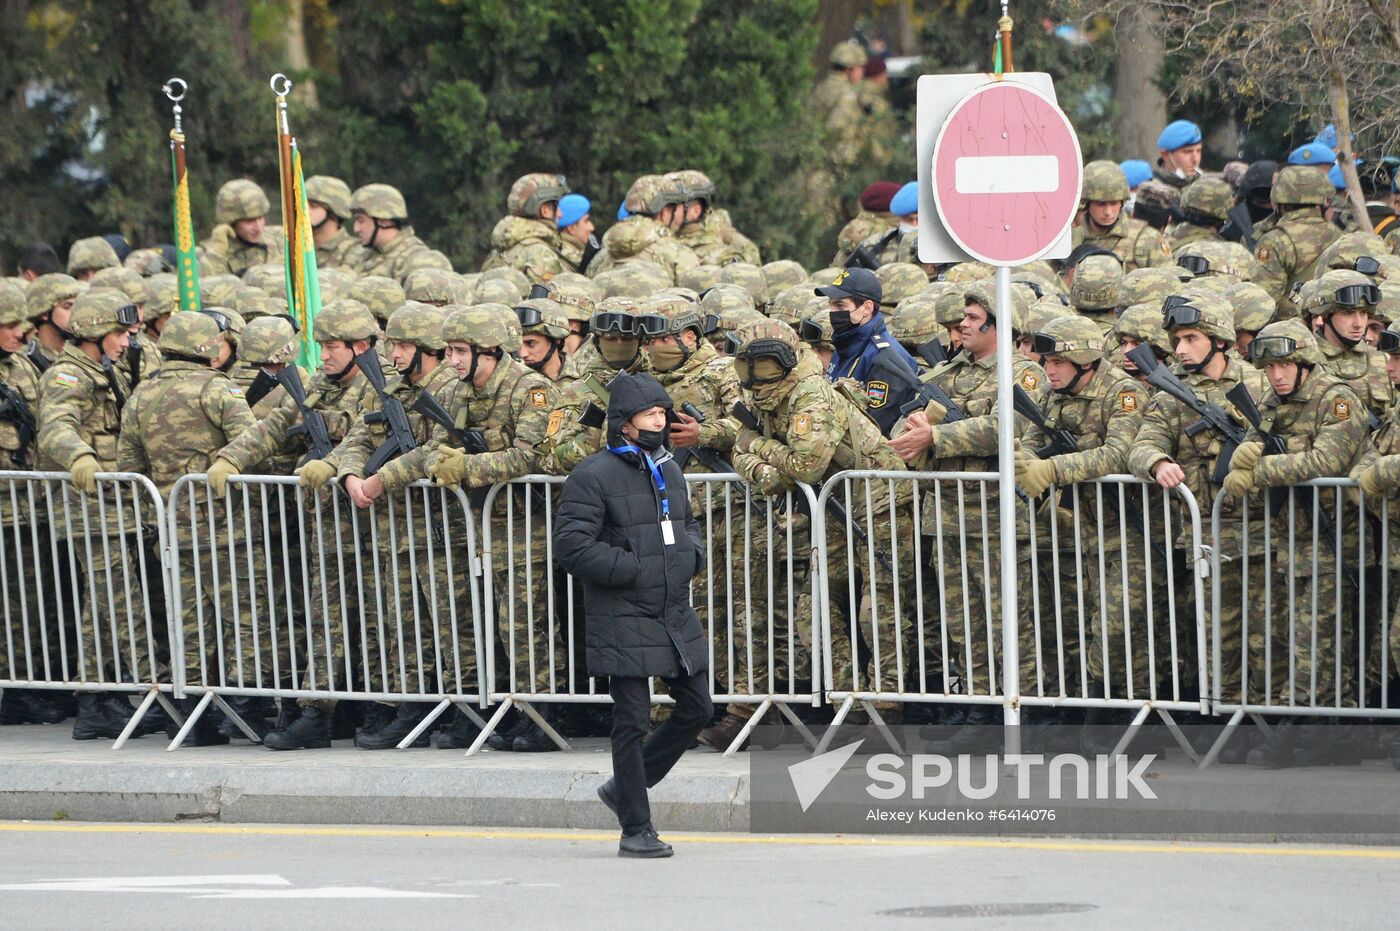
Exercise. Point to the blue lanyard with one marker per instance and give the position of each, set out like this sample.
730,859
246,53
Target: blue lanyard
657,478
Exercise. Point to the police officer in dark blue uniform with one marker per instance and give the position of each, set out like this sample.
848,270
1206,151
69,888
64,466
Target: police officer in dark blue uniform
865,350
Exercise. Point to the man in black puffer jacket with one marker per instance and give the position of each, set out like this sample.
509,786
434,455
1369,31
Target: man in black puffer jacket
624,529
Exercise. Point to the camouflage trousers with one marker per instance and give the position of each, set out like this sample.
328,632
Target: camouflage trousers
1311,638
533,631
34,647
117,625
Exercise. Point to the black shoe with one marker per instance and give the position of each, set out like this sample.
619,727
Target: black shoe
1278,751
310,731
459,735
944,720
978,732
29,706
253,711
505,734
535,740
409,716
643,845
206,729
607,794
96,720
377,717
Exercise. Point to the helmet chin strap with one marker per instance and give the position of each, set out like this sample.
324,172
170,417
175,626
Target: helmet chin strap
1079,372
1348,343
554,348
1297,380
1198,367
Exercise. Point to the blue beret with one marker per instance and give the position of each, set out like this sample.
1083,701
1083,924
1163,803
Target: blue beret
572,208
1314,153
1328,136
622,211
1179,134
1136,171
905,200
1335,175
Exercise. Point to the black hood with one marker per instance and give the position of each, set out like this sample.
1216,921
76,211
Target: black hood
631,394
1258,175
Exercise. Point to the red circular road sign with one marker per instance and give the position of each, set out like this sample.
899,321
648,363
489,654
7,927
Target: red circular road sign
1006,173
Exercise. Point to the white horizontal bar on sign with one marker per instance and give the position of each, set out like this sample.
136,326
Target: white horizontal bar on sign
1007,174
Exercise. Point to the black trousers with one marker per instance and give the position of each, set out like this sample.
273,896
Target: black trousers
640,762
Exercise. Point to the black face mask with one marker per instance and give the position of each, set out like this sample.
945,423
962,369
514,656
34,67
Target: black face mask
841,322
651,440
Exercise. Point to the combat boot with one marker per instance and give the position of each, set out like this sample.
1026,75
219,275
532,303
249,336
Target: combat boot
534,739
504,736
206,729
408,716
1277,752
95,720
977,734
253,711
310,731
459,735
29,706
377,717
718,736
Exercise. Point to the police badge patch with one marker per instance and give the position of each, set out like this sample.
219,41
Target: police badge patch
878,392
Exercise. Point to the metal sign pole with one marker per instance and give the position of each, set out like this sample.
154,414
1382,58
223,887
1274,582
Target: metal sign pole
1010,660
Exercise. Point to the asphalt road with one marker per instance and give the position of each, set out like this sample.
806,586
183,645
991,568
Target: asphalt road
210,877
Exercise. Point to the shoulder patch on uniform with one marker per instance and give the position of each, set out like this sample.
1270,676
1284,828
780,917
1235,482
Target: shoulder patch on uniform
1128,400
64,378
235,391
1029,381
1263,254
802,425
539,398
878,392
556,420
1341,409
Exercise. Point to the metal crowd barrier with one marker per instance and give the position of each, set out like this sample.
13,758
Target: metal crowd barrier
282,592
1111,610
755,597
82,589
1303,613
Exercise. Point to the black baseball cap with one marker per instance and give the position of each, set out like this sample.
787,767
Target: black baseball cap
859,284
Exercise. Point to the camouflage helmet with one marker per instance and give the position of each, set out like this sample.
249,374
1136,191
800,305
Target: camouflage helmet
268,341
218,290
12,305
196,335
335,282
531,192
1143,323
950,307
698,278
577,300
271,277
252,303
147,262
636,280
1042,311
1301,185
722,298
984,293
345,320
1389,268
496,291
683,293
433,286
240,199
848,54
747,276
1072,337
507,273
816,331
649,194
1320,296
1350,248
679,313
123,279
1214,314
47,290
577,282
426,258
1254,307
823,276
1213,259
230,321
790,305
162,296
964,272
696,184
332,193
510,321
1208,198
1037,281
1286,341
99,311
380,202
91,253
780,275
1105,182
768,338
899,280
1388,309
417,323
1156,194
381,295
548,316
478,326
1098,283
1148,285
915,321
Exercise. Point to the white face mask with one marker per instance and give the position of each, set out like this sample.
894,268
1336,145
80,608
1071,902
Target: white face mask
906,228
1129,204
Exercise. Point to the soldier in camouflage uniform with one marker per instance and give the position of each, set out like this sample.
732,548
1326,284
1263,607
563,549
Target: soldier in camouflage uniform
724,309
1342,302
1289,251
435,286
344,329
815,330
79,419
707,229
49,304
381,223
655,206
635,280
836,107
544,328
577,295
1103,221
142,356
874,219
967,579
89,256
914,324
170,427
162,300
1166,452
1205,206
1138,324
241,238
1254,310
1101,406
527,238
328,208
510,405
812,429
1320,419
1097,289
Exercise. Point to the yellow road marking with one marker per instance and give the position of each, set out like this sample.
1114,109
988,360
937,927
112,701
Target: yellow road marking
1262,849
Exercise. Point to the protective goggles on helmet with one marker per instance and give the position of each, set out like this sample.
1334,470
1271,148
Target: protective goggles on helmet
1389,343
1195,264
709,324
1178,312
529,316
811,332
771,349
537,291
1043,344
1357,295
128,315
296,325
1265,348
653,325
1367,265
731,343
615,323
220,318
